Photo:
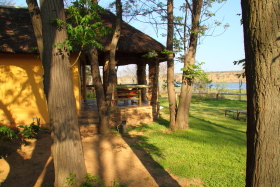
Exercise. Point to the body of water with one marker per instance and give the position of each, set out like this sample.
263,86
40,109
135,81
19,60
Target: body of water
231,85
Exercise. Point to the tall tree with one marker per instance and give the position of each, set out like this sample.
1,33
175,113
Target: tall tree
67,146
113,48
261,23
170,65
85,31
102,105
182,121
189,28
34,12
104,98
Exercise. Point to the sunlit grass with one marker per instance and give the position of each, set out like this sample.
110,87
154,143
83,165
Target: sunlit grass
212,150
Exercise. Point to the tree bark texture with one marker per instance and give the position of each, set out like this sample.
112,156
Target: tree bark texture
67,147
170,66
141,76
34,12
103,92
106,73
153,80
102,105
261,22
186,89
113,47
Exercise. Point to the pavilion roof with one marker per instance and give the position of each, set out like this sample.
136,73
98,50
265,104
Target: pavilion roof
17,36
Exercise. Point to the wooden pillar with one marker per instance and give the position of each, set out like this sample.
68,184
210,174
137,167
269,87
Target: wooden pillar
153,80
141,77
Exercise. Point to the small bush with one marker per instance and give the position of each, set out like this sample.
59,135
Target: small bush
6,134
30,131
91,95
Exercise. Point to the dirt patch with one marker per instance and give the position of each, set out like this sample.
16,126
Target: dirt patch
110,157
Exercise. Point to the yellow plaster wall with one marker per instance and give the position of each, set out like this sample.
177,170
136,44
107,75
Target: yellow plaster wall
76,79
21,89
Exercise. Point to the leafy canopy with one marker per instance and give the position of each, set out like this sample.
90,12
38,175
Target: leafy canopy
85,26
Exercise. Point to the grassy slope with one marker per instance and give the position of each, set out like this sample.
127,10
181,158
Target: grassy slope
212,150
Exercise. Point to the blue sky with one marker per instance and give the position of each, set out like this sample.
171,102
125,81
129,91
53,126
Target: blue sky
218,52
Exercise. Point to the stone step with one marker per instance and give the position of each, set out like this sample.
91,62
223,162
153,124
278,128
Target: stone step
86,121
89,114
88,130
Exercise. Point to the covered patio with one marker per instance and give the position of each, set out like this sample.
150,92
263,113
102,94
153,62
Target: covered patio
22,72
134,103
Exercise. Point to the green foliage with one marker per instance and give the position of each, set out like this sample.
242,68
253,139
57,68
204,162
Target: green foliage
193,71
6,134
150,54
57,22
164,85
91,95
165,51
88,25
84,26
221,87
203,82
209,13
71,180
35,48
243,63
90,181
30,131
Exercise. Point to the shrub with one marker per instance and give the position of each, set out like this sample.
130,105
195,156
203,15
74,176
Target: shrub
6,134
30,131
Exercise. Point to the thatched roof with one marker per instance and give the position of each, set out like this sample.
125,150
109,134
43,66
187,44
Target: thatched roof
17,36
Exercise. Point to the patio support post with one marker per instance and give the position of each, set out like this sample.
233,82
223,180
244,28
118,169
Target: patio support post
141,77
153,80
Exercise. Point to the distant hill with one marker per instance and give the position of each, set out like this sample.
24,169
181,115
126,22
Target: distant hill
225,76
215,76
219,76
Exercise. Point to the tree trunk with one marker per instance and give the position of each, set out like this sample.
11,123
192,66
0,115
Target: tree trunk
106,73
102,105
186,89
113,47
34,12
170,66
67,147
261,22
141,78
153,91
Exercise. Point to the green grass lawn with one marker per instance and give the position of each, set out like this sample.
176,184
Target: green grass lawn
213,150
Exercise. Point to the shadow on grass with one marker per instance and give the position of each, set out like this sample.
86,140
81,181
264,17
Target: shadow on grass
210,125
163,122
218,103
140,146
215,133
